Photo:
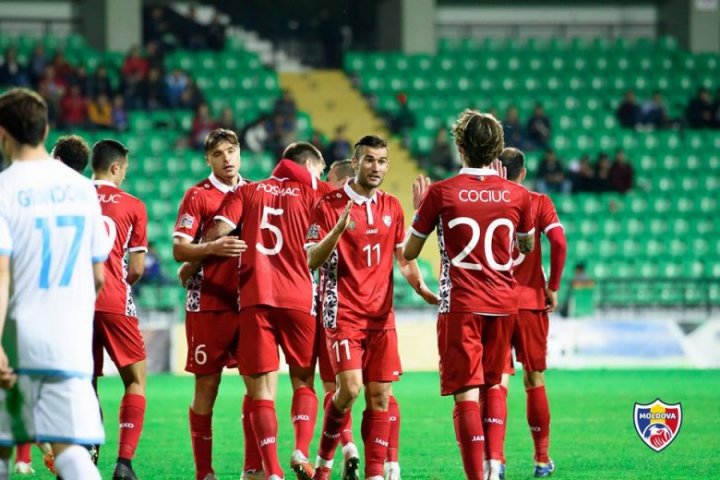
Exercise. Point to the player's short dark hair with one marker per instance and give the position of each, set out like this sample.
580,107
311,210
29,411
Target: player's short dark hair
480,136
301,152
345,168
370,141
106,152
219,135
24,115
73,151
514,161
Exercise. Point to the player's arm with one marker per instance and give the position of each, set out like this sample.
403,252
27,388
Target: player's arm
553,229
7,377
413,246
318,253
409,269
137,246
136,266
99,275
184,250
525,235
425,202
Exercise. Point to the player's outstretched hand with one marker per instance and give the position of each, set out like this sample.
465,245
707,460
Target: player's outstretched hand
227,247
551,300
7,376
420,186
344,219
428,295
498,166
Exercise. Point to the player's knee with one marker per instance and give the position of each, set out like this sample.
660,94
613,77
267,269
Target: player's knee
534,379
377,396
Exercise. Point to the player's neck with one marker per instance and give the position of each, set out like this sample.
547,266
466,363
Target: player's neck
362,191
25,153
105,178
229,181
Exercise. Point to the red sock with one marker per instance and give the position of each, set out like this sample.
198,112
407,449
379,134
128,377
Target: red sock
375,432
538,417
346,436
132,414
469,435
333,424
494,414
504,391
264,422
304,415
253,460
22,453
201,435
394,439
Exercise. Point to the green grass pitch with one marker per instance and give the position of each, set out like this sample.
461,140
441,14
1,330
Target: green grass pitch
592,427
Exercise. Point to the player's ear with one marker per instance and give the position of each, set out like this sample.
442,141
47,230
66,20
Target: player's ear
523,174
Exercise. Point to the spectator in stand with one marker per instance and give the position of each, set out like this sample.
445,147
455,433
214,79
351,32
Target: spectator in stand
152,90
602,173
653,112
286,107
628,113
99,83
100,112
700,110
339,147
512,129
551,175
153,271
82,80
227,120
192,96
132,88
52,91
154,56
584,179
202,125
73,108
621,173
119,114
37,63
539,128
442,153
11,72
175,83
157,28
317,141
281,133
64,72
216,33
404,119
134,64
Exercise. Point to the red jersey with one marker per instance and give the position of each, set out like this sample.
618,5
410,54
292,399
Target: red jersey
125,218
527,269
358,276
477,214
273,216
215,286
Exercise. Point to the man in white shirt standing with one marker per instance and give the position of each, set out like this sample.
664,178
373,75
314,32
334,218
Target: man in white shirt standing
52,247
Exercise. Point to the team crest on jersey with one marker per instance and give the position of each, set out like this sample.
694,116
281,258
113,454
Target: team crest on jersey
186,221
387,220
657,423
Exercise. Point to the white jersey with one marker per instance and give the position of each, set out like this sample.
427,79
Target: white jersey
52,229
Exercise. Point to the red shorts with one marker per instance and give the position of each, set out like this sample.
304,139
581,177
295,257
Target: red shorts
529,339
509,364
323,357
473,349
212,339
266,328
374,351
120,335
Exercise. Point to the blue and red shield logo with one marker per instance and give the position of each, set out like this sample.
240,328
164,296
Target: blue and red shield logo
657,423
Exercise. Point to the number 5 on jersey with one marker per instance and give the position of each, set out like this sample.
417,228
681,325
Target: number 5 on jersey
265,223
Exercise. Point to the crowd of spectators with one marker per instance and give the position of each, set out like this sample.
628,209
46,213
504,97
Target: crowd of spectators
702,111
534,134
584,176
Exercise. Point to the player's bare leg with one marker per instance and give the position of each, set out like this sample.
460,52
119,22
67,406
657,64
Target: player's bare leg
538,416
351,456
337,413
469,433
303,415
73,461
132,415
376,428
263,390
392,465
206,390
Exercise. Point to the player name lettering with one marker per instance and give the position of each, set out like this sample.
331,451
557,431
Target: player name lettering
484,196
59,194
657,416
279,191
267,441
113,198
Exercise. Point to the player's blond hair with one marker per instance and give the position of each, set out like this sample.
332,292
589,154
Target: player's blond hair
479,136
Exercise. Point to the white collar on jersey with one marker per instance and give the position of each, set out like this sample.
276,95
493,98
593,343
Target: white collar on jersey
221,186
107,183
356,197
478,171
